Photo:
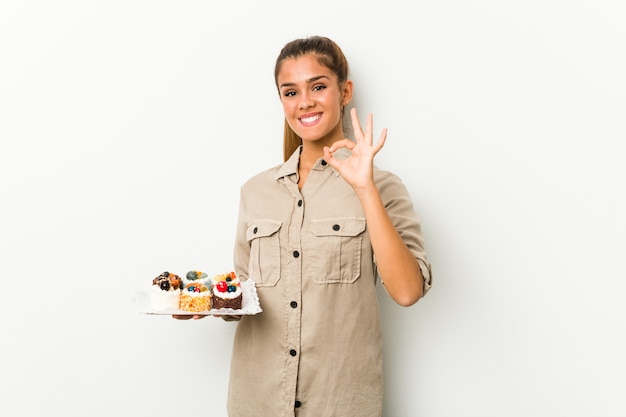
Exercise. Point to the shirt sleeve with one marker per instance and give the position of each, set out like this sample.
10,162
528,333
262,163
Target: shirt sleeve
399,206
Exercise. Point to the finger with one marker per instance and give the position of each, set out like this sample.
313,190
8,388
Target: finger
369,127
343,143
381,141
356,126
328,156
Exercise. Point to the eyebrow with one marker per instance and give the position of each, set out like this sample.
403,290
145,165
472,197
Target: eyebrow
309,81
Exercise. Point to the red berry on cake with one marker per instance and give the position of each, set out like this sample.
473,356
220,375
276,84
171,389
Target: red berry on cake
221,286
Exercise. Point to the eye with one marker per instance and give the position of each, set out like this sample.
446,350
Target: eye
289,93
319,87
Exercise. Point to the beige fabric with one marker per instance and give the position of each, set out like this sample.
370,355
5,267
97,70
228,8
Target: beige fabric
318,340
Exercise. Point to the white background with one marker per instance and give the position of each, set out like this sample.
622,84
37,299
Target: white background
127,128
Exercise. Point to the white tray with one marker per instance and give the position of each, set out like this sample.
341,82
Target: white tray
250,304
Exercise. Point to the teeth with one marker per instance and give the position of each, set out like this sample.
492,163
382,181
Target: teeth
310,119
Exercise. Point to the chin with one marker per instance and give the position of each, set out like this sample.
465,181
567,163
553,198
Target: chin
312,135
312,139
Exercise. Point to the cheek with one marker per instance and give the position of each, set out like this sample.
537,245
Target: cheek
289,114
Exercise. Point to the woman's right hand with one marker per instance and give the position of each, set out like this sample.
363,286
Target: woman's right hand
187,316
229,317
198,316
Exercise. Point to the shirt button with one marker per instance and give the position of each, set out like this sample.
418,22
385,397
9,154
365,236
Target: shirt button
324,162
336,227
293,304
256,229
293,352
298,404
296,253
299,203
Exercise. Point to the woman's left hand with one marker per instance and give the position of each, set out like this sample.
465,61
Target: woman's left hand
357,170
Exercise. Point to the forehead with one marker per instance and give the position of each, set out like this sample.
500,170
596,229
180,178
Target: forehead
301,69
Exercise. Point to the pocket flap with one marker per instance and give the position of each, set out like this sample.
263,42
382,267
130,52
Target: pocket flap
338,227
262,228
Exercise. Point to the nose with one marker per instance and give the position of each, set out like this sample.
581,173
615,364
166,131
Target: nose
305,101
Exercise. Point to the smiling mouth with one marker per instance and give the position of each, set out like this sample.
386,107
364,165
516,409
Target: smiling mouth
310,119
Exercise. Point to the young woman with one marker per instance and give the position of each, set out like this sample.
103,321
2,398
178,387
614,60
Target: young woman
315,233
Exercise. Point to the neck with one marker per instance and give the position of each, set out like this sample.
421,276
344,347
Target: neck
310,153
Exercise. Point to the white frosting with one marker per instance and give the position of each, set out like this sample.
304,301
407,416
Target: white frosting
163,300
228,295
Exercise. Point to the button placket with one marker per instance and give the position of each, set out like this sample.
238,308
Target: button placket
293,294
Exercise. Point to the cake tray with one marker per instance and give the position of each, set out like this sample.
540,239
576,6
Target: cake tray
249,306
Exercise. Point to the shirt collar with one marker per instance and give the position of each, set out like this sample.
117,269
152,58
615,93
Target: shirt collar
290,167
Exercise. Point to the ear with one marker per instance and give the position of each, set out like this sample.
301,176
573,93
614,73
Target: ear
347,93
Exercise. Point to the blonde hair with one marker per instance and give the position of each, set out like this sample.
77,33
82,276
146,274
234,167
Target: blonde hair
329,55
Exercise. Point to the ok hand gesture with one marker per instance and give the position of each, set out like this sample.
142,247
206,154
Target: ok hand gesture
357,169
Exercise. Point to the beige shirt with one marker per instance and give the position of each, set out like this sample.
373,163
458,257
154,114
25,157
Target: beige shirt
316,349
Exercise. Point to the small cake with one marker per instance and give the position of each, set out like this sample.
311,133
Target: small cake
195,297
165,292
227,291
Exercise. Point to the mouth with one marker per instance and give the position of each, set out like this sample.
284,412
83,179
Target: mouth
309,120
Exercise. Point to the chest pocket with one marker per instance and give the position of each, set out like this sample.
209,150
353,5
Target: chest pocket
264,265
334,250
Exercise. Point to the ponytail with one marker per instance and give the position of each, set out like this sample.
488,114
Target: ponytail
291,141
